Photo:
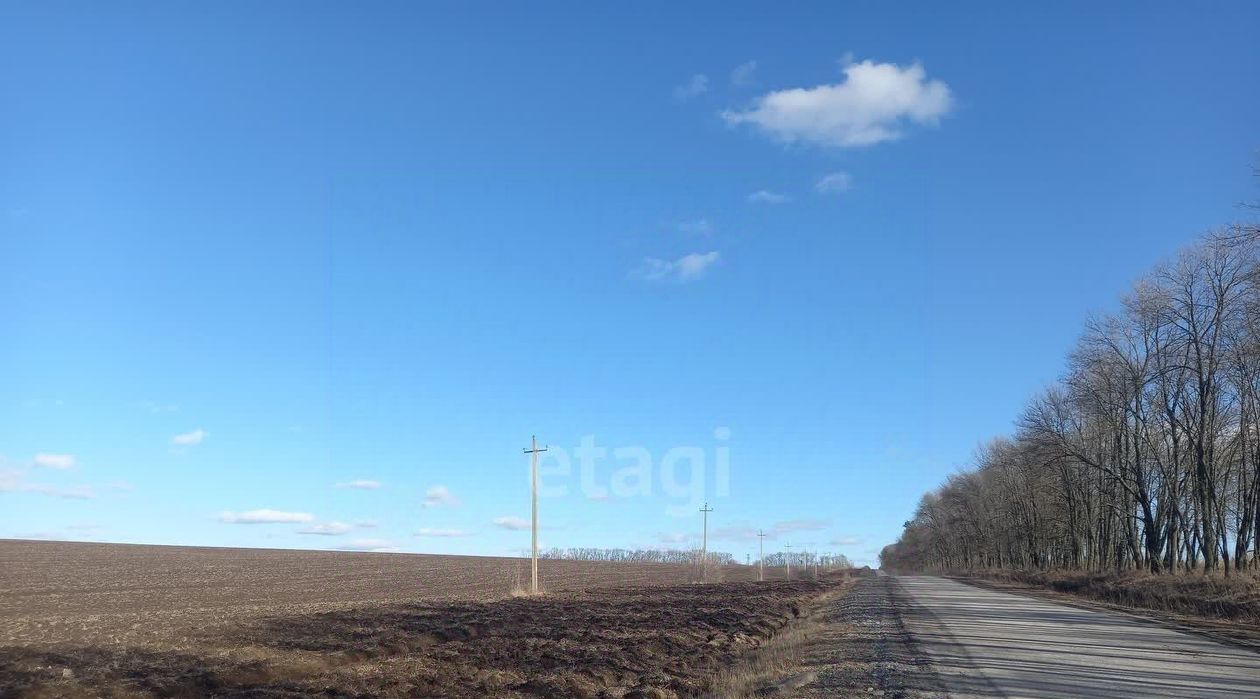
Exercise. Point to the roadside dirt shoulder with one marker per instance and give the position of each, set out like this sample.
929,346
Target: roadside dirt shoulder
856,645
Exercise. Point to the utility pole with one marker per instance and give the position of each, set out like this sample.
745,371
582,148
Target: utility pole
704,544
788,558
533,452
761,556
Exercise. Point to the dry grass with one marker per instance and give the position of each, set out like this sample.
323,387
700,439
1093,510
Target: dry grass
1233,598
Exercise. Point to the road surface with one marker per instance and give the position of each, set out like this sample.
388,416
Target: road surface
994,644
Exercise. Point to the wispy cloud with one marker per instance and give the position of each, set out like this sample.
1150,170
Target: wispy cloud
13,480
687,268
745,74
845,541
439,496
700,226
370,545
697,85
512,523
77,492
765,196
188,439
361,484
834,183
265,516
442,533
59,462
326,529
734,533
873,104
797,525
673,538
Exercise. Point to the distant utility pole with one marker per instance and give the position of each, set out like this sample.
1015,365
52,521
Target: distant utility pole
788,558
533,452
704,543
761,556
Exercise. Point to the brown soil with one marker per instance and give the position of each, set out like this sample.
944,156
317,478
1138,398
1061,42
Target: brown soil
226,623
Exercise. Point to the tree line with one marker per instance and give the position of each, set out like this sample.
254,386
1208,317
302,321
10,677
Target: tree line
1144,455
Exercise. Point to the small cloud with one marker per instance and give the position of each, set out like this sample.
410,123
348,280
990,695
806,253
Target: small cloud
83,527
160,408
845,541
872,105
327,529
361,484
696,86
120,486
511,523
834,183
14,481
745,74
371,545
439,496
685,269
798,525
765,196
78,492
366,524
442,533
700,226
673,538
736,533
189,439
59,462
266,516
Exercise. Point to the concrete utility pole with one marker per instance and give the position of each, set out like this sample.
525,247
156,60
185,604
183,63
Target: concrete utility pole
761,556
788,558
704,544
533,452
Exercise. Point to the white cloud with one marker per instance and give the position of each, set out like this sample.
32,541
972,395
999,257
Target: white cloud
373,545
361,484
439,496
845,541
188,439
14,481
60,462
745,74
442,533
685,269
513,523
735,533
78,492
796,525
834,183
765,196
326,529
872,105
366,524
700,226
696,86
673,537
265,516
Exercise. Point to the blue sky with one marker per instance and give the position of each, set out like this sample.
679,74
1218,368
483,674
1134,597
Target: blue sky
256,253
